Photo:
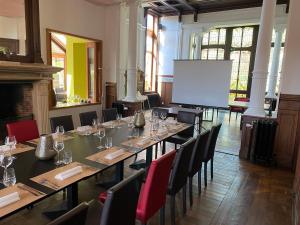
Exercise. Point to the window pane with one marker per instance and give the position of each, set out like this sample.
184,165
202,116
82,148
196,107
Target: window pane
214,37
221,53
235,56
237,37
212,53
247,37
149,44
205,39
222,36
204,54
150,22
148,71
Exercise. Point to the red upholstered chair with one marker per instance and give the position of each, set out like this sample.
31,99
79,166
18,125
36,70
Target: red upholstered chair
237,109
153,193
24,130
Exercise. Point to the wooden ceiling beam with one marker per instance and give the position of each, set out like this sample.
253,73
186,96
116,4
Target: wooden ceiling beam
169,5
186,4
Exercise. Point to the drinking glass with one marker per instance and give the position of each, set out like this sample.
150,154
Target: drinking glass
163,116
11,142
108,142
58,147
101,135
6,159
59,131
67,156
96,123
9,177
119,117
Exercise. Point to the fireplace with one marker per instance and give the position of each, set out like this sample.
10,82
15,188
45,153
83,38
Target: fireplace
15,104
24,93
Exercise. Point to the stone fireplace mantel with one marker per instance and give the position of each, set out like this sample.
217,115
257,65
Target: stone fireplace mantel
39,75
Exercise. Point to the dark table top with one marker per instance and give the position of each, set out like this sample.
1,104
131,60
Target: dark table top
28,166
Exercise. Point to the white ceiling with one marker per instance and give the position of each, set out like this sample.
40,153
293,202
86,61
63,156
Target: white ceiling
12,8
104,2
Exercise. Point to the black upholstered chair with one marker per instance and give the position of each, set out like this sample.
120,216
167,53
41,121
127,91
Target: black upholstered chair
179,175
86,118
76,216
183,136
120,107
196,162
109,114
120,204
210,151
65,121
154,100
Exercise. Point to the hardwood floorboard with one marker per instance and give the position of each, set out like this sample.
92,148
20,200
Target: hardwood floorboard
241,193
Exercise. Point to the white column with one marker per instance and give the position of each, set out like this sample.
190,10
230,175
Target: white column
275,64
186,38
262,57
132,52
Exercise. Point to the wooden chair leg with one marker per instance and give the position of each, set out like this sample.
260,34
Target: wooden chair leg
205,174
162,215
199,181
184,199
191,190
172,206
212,168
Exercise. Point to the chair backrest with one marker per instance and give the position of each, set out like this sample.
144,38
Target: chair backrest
119,106
154,190
189,118
159,111
109,114
24,130
180,169
65,121
212,140
76,216
198,153
154,99
121,202
86,118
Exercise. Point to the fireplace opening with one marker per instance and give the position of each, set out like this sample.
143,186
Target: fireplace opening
16,104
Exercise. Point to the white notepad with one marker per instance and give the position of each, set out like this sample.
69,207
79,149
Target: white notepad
69,173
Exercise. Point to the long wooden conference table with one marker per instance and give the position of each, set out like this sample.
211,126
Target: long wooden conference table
35,178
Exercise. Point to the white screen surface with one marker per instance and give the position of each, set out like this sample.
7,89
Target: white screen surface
204,82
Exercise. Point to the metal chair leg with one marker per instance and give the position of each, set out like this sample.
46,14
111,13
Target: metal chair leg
212,168
172,206
162,215
163,151
199,181
205,174
191,190
184,199
156,150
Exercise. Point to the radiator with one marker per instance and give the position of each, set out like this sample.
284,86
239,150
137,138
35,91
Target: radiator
263,138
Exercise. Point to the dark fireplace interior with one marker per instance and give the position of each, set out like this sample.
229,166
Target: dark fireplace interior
16,104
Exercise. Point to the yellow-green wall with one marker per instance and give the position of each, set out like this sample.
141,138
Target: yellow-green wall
76,66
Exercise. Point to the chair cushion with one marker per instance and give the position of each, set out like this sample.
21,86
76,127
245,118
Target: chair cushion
102,197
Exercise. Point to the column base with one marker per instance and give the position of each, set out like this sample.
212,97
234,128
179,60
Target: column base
259,112
130,99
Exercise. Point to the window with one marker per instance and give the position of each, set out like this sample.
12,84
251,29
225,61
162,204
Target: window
213,45
80,80
151,53
237,44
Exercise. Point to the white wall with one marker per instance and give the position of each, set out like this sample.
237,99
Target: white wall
291,64
72,16
174,32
